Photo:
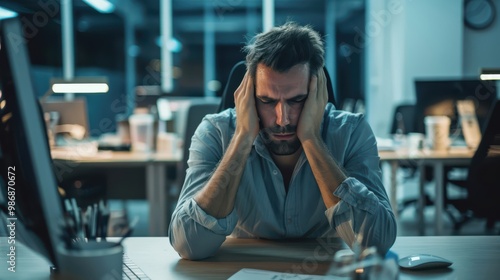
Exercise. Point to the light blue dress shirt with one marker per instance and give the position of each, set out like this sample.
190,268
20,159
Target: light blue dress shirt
264,210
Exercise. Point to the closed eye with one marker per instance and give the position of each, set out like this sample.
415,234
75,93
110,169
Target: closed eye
299,99
265,100
294,100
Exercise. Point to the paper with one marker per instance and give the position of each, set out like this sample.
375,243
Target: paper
385,144
252,274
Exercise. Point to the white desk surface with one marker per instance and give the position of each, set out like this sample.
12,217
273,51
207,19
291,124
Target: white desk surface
474,257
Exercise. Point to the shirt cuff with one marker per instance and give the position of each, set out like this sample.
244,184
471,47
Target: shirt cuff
353,193
223,226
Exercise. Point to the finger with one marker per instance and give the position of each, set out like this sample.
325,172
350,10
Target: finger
322,89
249,87
240,91
313,85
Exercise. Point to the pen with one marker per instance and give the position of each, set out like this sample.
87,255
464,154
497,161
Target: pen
93,222
103,224
67,205
78,220
88,221
70,219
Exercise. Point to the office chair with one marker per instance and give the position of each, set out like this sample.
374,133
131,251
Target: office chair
404,119
194,115
482,183
403,123
236,76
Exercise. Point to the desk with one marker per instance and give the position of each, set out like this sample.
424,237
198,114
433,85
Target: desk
422,158
156,184
474,257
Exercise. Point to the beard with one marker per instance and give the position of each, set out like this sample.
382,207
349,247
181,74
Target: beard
280,147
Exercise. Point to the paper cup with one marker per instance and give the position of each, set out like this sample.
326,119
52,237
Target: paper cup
437,131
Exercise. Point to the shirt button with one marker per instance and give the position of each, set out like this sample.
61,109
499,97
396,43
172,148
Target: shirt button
275,172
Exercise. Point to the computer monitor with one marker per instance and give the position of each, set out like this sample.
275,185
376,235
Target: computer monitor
30,205
439,97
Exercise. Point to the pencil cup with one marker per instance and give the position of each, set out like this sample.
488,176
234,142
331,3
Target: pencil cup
437,130
90,260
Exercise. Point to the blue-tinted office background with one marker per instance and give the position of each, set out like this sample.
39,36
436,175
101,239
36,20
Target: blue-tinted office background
375,48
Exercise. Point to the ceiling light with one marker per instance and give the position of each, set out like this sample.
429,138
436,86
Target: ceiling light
4,13
103,6
490,74
80,85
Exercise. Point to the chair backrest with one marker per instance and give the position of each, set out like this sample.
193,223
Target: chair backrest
490,141
404,119
482,179
195,113
236,76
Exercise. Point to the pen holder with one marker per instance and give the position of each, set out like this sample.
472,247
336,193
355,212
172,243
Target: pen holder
90,260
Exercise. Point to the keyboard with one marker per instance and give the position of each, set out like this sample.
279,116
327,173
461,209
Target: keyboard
131,270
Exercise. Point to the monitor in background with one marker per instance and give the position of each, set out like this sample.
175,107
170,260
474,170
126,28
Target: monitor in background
71,113
439,97
30,205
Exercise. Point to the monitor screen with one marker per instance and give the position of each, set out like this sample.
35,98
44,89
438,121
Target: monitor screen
30,205
439,97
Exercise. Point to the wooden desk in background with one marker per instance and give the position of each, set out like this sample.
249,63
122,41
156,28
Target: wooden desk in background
437,160
156,184
473,257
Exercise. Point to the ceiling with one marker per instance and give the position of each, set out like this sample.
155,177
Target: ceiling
233,21
229,15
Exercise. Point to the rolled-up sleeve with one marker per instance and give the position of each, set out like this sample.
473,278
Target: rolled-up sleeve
193,233
364,213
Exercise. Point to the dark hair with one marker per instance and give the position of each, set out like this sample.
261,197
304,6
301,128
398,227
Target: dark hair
285,46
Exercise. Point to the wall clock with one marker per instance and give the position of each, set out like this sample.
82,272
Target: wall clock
479,14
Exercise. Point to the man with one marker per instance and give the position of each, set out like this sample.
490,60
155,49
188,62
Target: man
283,163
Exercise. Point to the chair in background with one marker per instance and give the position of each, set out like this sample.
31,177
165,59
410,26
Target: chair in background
482,183
236,76
194,115
404,119
402,124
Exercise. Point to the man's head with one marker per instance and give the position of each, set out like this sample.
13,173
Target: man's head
285,46
281,62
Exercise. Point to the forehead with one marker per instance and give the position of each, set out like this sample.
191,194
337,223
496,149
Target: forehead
268,80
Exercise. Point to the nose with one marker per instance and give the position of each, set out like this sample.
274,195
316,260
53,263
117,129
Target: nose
282,114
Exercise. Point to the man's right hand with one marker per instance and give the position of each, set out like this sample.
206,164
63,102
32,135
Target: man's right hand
218,196
247,120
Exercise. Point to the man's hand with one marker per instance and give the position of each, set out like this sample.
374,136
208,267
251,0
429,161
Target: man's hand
218,196
327,172
247,121
314,107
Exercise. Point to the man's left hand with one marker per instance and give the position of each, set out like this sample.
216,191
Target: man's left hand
314,107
